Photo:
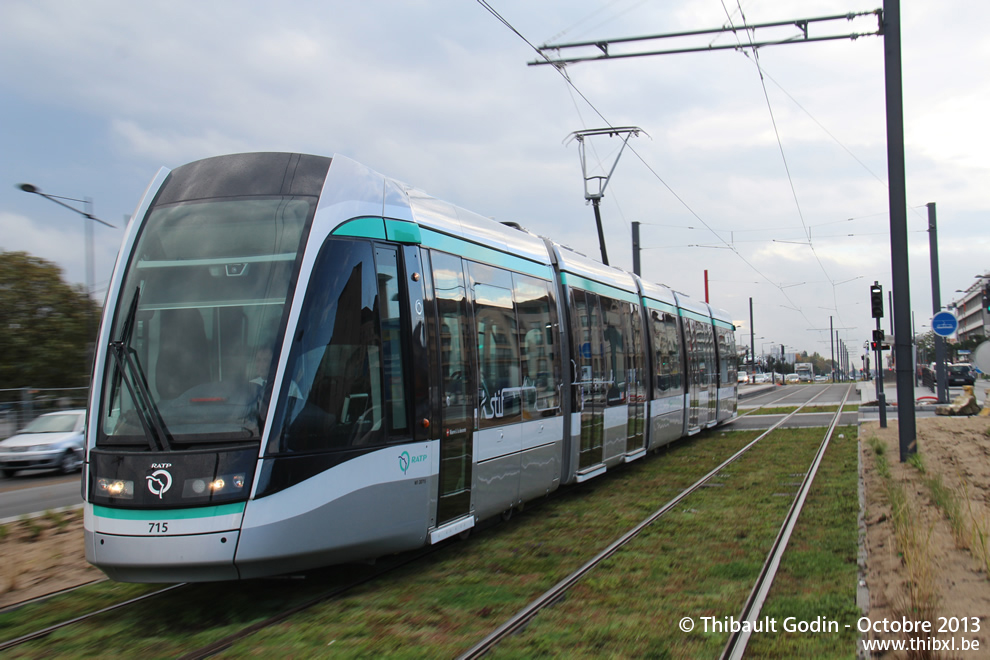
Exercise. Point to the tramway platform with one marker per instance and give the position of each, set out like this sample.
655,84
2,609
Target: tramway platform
925,400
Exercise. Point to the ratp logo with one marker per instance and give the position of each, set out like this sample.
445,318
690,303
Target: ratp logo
159,482
405,460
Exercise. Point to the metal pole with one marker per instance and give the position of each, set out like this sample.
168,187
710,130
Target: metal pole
906,428
914,350
881,398
942,389
635,250
601,233
752,332
831,338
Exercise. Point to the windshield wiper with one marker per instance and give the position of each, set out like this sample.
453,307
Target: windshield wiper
137,385
129,371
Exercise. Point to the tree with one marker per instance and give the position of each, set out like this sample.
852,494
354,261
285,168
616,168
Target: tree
47,327
926,347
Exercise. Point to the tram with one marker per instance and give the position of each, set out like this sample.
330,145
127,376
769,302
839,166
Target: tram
303,362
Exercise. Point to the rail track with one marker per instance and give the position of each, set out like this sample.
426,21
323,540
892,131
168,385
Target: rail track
737,643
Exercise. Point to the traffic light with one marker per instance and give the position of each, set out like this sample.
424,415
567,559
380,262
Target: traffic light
873,346
986,296
876,300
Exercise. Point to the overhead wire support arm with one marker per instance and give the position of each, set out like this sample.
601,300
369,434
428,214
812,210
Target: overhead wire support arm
595,196
802,24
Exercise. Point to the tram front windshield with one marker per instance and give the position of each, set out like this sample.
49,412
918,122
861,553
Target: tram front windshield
199,321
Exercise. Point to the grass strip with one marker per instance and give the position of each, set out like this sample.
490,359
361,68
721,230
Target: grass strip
817,577
441,609
441,606
786,410
701,561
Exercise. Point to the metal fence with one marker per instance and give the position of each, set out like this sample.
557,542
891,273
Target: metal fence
21,405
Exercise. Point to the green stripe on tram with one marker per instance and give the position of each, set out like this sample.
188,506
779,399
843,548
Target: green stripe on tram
694,315
607,290
170,514
362,228
484,254
660,306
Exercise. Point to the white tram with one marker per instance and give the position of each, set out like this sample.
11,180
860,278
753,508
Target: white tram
302,362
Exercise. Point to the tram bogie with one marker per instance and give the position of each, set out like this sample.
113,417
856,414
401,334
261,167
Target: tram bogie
304,363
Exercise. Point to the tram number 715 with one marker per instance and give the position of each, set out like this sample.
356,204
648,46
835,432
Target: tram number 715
157,527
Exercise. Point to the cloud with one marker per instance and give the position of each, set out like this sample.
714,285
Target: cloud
172,147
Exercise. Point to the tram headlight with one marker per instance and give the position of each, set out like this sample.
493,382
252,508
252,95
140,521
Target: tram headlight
226,484
118,488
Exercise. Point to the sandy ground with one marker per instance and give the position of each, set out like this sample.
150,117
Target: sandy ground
950,581
931,571
42,556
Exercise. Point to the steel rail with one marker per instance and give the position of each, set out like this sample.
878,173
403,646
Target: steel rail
226,642
769,404
51,594
44,632
736,644
529,612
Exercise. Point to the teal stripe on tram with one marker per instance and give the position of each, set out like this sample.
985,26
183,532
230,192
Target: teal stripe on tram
402,231
486,255
694,315
650,303
578,282
381,229
170,514
724,324
362,228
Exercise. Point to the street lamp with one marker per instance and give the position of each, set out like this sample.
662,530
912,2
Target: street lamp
87,213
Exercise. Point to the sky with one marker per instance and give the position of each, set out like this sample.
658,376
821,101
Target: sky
766,172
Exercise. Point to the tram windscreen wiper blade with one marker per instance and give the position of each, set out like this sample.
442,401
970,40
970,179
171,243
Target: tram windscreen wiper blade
130,372
125,337
117,350
162,437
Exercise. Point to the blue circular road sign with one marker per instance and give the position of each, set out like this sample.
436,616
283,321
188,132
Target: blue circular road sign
945,324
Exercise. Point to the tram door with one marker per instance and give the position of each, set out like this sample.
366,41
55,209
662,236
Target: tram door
458,388
635,380
589,387
694,361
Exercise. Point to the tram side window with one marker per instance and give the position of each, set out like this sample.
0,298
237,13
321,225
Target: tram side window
499,383
591,378
726,356
710,368
537,327
580,348
390,308
693,352
615,346
733,359
456,368
343,380
635,376
667,352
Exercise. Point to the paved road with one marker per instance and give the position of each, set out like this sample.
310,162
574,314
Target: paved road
790,396
31,492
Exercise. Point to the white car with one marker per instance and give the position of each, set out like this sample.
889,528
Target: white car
52,441
792,378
